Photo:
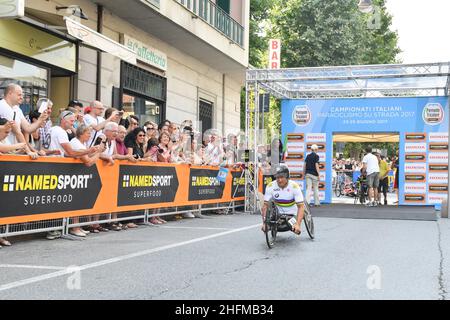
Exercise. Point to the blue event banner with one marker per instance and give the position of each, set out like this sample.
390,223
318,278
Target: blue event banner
427,115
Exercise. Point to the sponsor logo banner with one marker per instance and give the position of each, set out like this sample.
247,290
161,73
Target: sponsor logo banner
316,137
438,168
415,198
322,186
204,185
295,147
37,188
437,178
298,137
415,136
322,166
321,196
438,147
295,166
415,147
416,157
438,137
296,175
433,114
438,157
322,156
295,156
438,188
145,185
301,116
238,185
415,167
415,188
415,178
322,176
436,198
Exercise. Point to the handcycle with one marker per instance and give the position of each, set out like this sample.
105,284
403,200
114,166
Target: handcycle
361,192
277,222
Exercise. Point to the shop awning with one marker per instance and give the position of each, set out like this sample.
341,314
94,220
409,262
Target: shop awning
99,41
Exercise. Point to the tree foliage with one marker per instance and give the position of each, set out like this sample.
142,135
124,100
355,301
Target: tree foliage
318,33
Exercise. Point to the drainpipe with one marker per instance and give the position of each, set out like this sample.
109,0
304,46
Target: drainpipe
98,91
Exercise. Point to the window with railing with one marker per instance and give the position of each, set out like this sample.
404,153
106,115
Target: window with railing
216,17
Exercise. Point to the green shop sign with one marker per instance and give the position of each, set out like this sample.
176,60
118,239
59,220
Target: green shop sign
146,53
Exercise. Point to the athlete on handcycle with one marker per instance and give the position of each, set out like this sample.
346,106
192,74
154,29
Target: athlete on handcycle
287,197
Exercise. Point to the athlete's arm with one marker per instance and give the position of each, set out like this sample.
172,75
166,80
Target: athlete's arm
300,214
298,196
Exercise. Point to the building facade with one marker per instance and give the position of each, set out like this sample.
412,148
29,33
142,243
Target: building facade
158,59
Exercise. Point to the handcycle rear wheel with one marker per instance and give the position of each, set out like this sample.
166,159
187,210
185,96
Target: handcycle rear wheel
309,222
270,227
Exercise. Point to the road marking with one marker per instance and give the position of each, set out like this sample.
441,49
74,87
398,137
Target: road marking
30,267
71,269
202,228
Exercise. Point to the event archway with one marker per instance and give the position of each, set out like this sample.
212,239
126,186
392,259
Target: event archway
319,102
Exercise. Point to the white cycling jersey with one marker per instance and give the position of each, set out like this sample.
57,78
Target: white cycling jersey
285,199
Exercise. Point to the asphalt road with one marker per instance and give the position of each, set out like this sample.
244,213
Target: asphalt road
226,257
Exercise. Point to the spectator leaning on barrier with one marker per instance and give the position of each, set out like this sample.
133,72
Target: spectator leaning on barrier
372,168
6,127
79,143
34,139
165,154
60,139
152,150
120,141
111,133
311,173
9,109
135,143
214,150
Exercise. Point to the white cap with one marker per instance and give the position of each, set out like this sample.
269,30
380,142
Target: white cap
314,147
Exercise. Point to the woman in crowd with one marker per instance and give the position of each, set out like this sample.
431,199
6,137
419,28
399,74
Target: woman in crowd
78,143
135,143
165,155
152,155
151,129
152,150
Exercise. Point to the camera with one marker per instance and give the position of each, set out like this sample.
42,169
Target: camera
98,141
160,150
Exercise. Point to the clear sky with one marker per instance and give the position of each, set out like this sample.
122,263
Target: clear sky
424,29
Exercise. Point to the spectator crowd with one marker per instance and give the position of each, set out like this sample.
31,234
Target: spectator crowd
94,132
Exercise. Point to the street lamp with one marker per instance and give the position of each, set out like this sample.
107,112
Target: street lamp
365,6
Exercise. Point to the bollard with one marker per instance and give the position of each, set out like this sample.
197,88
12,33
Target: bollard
444,208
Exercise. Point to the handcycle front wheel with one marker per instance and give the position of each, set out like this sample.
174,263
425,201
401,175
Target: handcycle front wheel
270,227
309,222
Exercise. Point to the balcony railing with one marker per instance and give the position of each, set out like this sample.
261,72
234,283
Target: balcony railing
217,18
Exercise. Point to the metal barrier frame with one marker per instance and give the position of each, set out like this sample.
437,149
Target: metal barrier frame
65,224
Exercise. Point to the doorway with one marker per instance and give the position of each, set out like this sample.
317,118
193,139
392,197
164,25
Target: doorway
348,180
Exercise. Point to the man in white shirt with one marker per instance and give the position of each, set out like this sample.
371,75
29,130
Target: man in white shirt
370,164
60,139
10,110
214,150
94,120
